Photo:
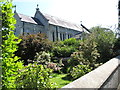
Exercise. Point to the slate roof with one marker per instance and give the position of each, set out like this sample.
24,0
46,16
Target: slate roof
63,23
29,19
52,20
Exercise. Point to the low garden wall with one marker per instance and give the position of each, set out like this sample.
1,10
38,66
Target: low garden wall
105,76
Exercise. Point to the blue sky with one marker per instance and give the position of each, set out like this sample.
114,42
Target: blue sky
90,12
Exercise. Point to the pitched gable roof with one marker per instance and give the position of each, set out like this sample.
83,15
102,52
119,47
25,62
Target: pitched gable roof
52,20
63,23
29,19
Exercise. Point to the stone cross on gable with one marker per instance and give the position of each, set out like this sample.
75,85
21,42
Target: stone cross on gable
37,7
15,8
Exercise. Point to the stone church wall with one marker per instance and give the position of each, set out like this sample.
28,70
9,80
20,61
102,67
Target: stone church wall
60,33
18,25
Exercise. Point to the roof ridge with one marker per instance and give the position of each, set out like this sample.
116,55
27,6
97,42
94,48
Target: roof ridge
26,15
66,21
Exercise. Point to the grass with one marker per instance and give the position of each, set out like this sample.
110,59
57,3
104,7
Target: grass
60,79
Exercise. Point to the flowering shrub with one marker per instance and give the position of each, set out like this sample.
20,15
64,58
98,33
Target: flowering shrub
42,57
53,66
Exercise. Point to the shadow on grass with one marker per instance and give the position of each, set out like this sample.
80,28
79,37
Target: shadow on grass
67,77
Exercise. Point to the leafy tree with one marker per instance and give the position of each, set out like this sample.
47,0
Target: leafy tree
13,71
8,20
10,65
105,39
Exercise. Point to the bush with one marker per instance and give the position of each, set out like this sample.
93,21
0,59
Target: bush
31,44
64,51
54,66
65,48
35,76
79,71
72,42
45,59
87,53
42,58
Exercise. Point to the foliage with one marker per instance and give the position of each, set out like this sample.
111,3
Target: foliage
105,39
87,53
8,20
79,71
65,48
117,47
31,44
45,59
64,51
54,66
72,42
10,63
42,57
35,76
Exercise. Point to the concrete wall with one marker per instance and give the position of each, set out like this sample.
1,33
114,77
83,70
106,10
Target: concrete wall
105,76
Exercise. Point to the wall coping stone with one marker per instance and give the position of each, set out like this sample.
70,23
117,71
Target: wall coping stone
97,77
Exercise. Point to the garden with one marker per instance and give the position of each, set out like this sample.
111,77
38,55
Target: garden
32,61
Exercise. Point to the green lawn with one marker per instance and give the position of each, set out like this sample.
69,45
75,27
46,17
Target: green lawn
60,79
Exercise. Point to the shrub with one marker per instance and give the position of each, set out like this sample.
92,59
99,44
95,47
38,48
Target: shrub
79,71
64,51
45,59
65,48
87,53
72,42
42,57
31,44
54,66
35,76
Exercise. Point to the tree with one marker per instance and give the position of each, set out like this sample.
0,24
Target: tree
10,63
14,74
105,39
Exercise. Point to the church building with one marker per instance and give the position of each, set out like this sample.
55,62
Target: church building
54,27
